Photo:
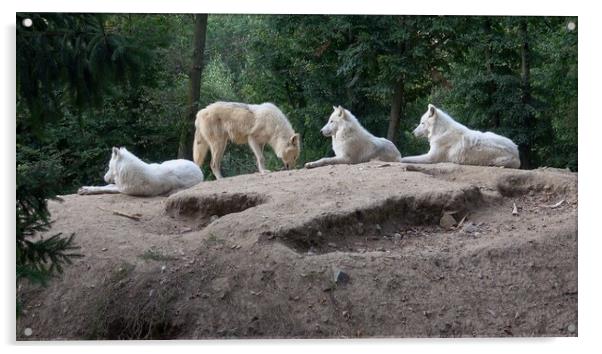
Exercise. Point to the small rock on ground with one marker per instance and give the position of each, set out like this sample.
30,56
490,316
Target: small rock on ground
447,221
470,228
341,277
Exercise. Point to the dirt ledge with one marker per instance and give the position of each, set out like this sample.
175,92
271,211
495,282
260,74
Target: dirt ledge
254,256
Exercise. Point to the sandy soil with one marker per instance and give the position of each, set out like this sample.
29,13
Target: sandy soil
369,250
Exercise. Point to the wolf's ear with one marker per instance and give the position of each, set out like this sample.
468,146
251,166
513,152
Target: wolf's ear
295,139
116,153
334,108
432,110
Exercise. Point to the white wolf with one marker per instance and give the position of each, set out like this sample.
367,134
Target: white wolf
128,174
452,142
253,124
352,143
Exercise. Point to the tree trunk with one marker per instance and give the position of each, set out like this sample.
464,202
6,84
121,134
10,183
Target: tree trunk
397,102
194,91
491,86
396,110
525,147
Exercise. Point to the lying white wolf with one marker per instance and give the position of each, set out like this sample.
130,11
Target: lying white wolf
452,142
129,175
352,143
253,124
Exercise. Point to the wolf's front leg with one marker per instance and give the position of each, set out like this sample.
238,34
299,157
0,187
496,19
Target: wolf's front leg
426,158
108,189
327,161
258,152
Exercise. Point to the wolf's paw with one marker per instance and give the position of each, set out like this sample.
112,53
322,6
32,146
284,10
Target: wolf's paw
310,165
263,172
83,191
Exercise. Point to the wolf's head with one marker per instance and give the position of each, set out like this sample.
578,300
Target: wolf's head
427,123
290,154
335,122
116,155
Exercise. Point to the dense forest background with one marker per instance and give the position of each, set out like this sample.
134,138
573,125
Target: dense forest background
87,82
123,80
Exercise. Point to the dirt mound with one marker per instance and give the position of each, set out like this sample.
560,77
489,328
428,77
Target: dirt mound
379,250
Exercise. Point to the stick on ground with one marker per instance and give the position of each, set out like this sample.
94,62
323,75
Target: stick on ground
131,216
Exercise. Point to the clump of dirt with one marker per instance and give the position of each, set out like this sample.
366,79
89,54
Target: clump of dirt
426,251
514,184
377,218
212,204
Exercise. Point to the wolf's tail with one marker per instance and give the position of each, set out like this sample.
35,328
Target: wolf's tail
199,148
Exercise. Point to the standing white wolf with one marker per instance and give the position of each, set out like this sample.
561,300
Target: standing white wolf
452,142
128,174
352,143
253,124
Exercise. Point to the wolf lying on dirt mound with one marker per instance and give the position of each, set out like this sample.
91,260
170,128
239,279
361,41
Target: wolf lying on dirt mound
256,125
352,143
452,142
128,174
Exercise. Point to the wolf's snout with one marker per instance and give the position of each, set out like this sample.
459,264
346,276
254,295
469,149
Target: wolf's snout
417,133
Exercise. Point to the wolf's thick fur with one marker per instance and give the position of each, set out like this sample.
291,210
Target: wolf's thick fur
352,143
128,174
452,142
240,123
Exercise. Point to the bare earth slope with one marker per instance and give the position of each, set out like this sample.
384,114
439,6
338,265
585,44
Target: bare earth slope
256,256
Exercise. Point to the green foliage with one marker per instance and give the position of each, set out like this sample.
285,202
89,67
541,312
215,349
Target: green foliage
556,80
140,110
487,92
69,59
38,258
66,65
469,66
